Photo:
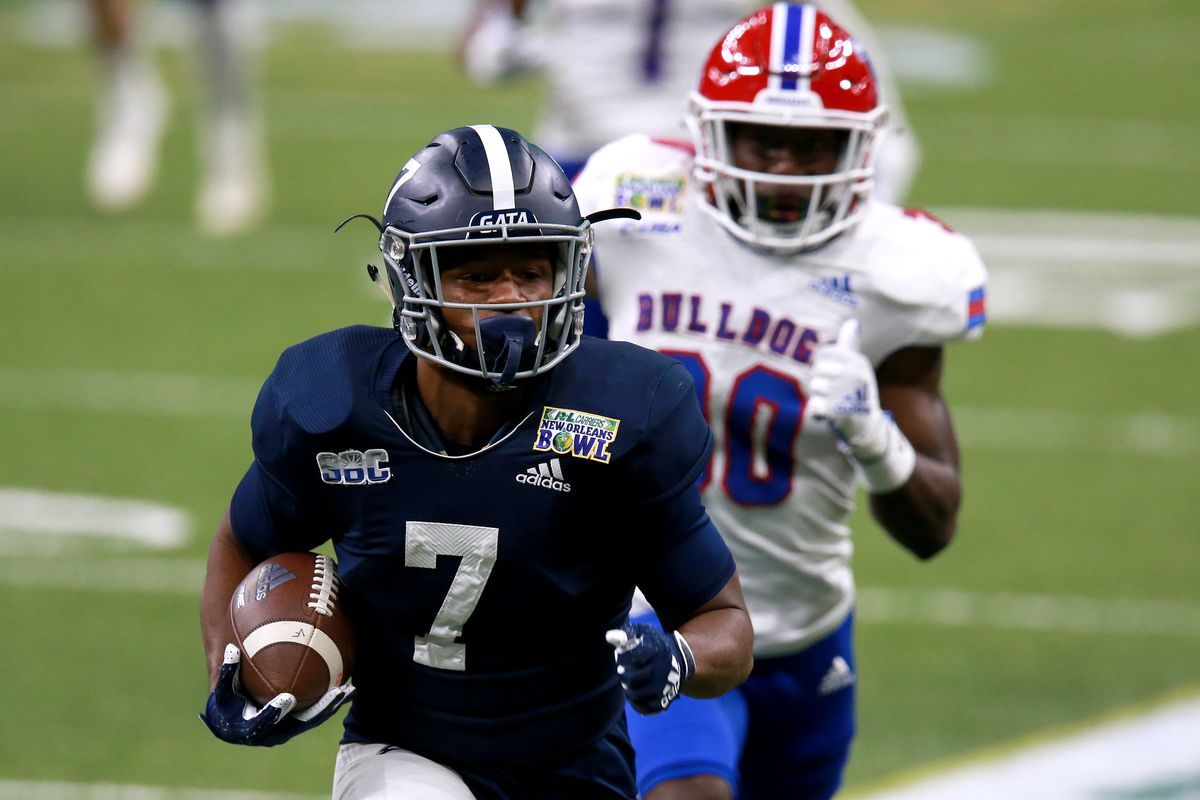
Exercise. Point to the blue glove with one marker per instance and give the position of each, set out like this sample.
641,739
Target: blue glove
653,665
235,719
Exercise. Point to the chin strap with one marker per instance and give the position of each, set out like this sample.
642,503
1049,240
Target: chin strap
505,338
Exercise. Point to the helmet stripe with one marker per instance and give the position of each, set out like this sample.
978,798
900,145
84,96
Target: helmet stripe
805,56
792,27
791,47
409,170
779,15
503,194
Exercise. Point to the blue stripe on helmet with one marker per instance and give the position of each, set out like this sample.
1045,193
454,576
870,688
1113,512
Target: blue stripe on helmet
791,46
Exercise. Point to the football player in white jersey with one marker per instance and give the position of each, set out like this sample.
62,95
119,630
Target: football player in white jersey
616,67
813,319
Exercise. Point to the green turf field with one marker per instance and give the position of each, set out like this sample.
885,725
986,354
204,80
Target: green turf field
133,348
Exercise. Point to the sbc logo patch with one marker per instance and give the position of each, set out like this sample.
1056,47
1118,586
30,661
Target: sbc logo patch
354,467
576,433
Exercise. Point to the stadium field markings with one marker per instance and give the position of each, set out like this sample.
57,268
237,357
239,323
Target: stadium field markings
57,790
1135,275
1142,751
876,604
1028,612
39,521
1132,274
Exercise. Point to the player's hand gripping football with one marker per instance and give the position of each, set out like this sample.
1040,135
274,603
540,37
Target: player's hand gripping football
844,394
653,665
233,718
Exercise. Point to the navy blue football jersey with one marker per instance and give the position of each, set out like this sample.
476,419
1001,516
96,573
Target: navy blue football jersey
481,585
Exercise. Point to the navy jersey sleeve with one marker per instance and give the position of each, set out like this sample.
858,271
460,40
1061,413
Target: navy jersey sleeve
675,443
682,560
268,512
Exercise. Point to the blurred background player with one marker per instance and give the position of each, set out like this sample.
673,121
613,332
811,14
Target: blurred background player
615,67
813,318
133,108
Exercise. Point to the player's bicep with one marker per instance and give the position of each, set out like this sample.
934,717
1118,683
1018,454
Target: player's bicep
910,389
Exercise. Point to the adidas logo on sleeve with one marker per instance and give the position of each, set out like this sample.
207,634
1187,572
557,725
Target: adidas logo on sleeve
548,474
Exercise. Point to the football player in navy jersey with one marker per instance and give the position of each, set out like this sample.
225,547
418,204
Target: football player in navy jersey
494,485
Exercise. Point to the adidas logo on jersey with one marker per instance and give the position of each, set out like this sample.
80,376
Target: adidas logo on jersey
835,288
548,474
839,676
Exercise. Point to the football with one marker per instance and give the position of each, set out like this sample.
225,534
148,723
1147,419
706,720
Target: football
293,635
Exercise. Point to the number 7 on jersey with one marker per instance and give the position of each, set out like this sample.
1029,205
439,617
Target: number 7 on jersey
477,546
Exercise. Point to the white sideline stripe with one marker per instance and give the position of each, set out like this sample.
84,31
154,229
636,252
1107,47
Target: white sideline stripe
1028,612
1151,755
297,633
42,513
55,790
213,397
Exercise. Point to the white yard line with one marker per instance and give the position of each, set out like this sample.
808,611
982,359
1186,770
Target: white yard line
1135,275
1154,754
35,515
1028,612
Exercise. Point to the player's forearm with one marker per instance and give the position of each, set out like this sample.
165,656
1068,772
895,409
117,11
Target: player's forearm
722,641
228,563
921,515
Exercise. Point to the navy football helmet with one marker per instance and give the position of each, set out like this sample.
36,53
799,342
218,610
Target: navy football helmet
484,186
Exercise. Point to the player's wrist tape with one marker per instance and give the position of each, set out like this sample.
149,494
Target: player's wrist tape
688,667
885,457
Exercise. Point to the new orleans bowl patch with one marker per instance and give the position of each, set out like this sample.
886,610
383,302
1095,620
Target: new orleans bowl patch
650,194
576,433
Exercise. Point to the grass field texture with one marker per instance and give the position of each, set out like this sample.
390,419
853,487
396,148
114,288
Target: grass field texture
133,349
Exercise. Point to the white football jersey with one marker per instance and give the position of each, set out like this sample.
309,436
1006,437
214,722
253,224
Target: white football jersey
745,323
618,66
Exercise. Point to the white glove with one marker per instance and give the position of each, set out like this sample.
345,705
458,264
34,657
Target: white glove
492,51
842,392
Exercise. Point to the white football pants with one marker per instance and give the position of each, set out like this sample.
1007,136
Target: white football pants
362,772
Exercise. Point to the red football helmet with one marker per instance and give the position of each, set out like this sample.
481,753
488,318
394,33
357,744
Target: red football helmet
787,65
